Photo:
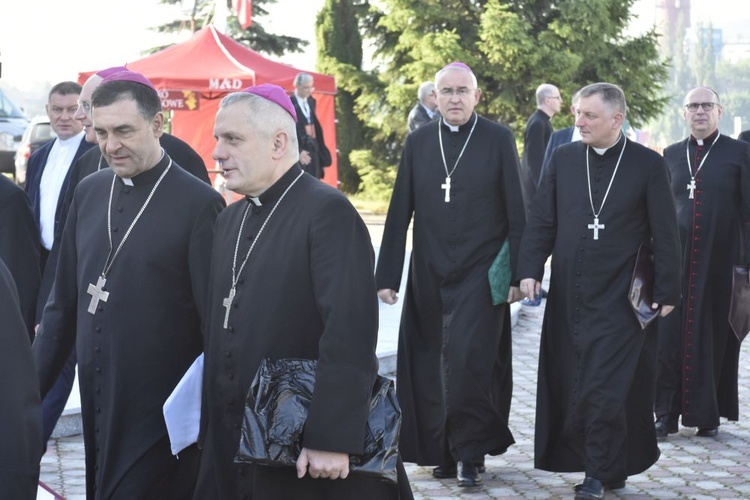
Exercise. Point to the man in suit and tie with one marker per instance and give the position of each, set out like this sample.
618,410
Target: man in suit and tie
425,110
313,153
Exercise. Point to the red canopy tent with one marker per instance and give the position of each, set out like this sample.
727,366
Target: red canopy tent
193,76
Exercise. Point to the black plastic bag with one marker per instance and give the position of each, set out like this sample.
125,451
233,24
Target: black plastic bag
276,409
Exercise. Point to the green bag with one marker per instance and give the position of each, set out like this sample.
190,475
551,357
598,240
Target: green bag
499,275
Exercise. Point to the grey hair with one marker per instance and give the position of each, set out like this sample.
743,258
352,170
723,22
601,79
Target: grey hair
612,96
424,90
443,71
301,78
544,91
264,116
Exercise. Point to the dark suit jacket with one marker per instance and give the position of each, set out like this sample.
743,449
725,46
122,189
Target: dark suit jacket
35,169
558,138
418,116
535,139
320,156
744,136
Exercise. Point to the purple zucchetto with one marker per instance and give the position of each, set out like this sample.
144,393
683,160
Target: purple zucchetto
129,76
110,71
275,94
458,64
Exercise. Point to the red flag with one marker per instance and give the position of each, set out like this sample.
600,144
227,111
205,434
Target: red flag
244,10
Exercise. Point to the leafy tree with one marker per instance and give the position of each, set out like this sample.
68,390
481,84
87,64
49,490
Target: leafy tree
255,37
513,46
340,55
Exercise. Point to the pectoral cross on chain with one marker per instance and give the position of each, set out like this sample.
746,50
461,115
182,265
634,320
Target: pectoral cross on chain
447,187
691,187
97,293
227,302
596,227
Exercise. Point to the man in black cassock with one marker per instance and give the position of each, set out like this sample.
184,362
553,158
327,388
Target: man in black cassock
130,293
21,414
600,200
291,277
458,178
535,138
92,161
19,247
698,352
314,156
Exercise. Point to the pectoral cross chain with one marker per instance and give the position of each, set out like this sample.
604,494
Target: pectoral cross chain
227,302
691,187
447,187
97,293
596,227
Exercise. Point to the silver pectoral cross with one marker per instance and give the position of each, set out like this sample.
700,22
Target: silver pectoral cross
447,187
691,187
596,227
97,293
227,303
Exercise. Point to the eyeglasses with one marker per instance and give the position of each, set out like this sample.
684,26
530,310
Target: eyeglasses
85,106
556,97
707,106
460,92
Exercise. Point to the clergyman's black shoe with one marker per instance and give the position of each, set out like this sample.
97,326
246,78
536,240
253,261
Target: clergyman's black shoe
468,475
665,425
444,471
591,488
707,432
609,485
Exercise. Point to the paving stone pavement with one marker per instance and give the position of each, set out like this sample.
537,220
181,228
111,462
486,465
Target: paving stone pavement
689,467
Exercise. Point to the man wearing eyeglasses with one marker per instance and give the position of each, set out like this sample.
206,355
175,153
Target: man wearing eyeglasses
458,178
698,352
535,138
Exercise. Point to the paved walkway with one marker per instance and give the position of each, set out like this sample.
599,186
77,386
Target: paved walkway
689,467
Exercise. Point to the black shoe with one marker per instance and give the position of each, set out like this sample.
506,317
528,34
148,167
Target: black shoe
591,488
444,472
468,475
613,485
707,432
665,425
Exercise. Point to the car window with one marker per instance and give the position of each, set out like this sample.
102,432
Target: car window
41,132
8,109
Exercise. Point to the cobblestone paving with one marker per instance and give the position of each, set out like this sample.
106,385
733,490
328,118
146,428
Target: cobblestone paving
689,467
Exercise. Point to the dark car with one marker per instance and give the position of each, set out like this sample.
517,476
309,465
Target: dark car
37,134
12,125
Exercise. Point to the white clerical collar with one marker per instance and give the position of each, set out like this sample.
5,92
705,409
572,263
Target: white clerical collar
255,201
601,151
128,181
453,128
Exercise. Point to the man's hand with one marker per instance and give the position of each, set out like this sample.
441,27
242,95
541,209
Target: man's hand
530,288
664,309
514,294
322,464
304,157
388,296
